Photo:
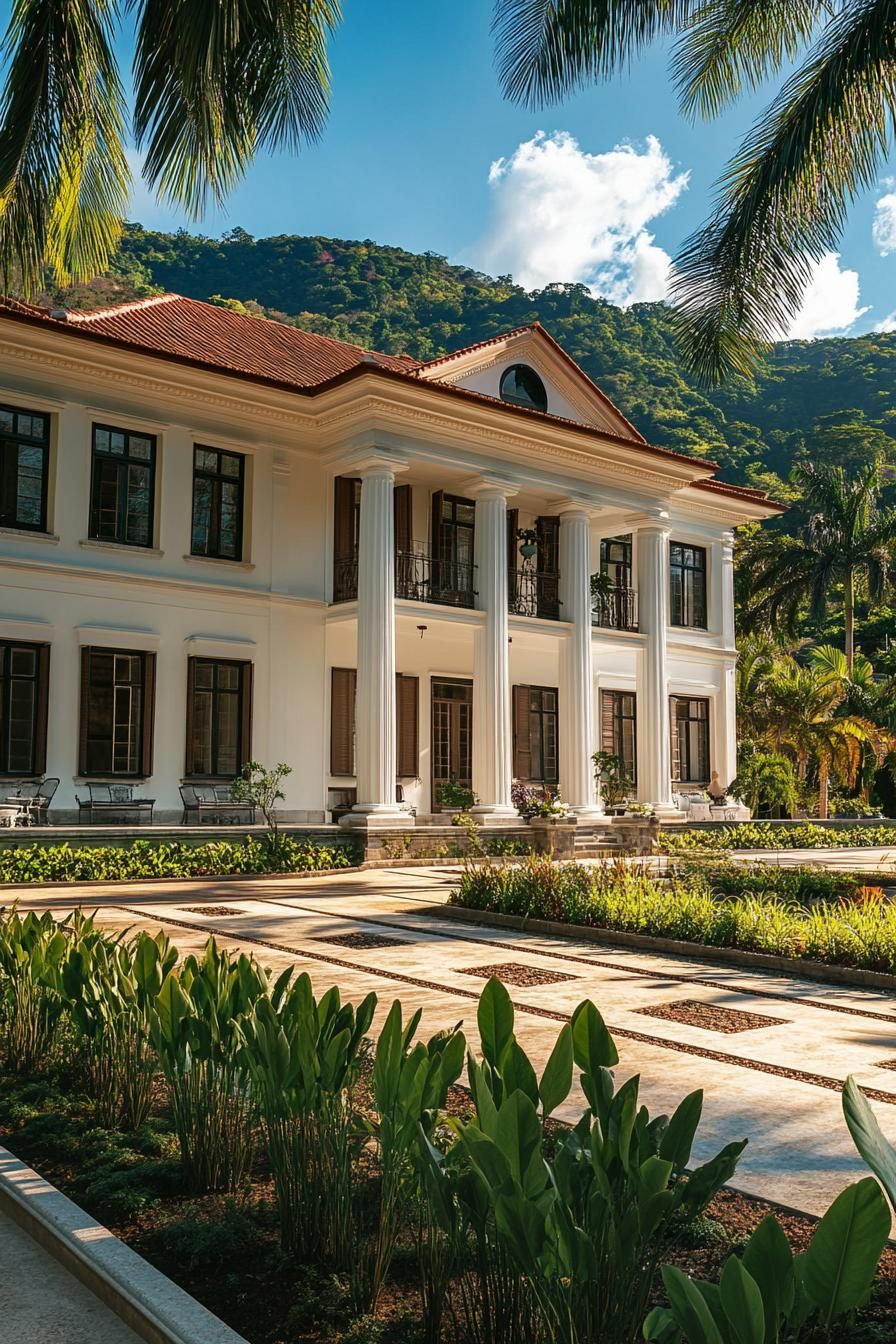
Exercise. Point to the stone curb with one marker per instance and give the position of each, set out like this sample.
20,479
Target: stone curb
176,882
800,969
154,1307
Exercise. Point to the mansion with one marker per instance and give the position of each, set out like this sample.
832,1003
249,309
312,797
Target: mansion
224,539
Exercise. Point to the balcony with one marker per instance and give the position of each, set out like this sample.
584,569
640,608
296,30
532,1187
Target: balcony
534,594
419,577
615,609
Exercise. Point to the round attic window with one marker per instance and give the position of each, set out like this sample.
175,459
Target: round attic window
521,386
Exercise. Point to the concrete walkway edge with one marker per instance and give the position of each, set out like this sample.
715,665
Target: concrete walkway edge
154,1307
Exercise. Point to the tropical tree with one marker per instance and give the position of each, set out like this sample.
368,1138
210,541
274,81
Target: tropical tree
764,778
846,546
214,82
783,199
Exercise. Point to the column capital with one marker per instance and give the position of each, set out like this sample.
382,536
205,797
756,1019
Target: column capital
487,486
649,520
371,463
571,507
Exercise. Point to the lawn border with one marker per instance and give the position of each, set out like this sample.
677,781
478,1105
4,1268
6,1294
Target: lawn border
141,1296
802,968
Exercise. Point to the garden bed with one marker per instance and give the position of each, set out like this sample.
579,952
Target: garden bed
224,1249
773,835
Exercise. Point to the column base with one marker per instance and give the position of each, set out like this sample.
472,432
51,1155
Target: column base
496,814
586,814
377,817
666,812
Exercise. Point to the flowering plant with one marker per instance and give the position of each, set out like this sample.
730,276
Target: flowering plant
538,800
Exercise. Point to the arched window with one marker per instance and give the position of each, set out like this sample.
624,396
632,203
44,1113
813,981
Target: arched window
521,386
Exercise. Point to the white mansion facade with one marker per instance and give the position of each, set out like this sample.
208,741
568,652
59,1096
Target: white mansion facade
222,538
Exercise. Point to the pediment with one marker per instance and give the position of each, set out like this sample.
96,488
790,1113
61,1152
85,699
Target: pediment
570,392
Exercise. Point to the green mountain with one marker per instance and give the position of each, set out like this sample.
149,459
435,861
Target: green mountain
833,399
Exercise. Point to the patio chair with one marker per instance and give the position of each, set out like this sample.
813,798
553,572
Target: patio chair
105,800
215,800
40,808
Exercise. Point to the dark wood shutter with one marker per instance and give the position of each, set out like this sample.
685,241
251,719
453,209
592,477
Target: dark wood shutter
522,751
246,684
83,705
344,518
407,700
188,747
403,496
607,721
435,537
149,712
41,709
513,522
343,681
547,564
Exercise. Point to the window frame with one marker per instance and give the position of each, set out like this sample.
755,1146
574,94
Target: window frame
219,479
145,721
683,589
9,446
40,681
703,778
243,720
617,699
528,403
535,733
122,460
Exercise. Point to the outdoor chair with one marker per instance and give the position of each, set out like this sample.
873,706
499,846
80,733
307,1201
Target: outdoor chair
40,808
104,800
216,801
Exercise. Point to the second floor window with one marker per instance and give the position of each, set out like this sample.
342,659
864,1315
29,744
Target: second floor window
122,486
24,461
687,571
217,504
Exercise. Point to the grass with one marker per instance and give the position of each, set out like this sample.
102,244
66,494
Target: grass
141,859
859,931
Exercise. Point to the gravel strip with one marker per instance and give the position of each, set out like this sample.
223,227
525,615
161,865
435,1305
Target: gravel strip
513,973
711,1016
216,911
361,941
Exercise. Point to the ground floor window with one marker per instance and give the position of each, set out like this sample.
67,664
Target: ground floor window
24,670
343,690
618,728
690,739
117,703
219,717
536,755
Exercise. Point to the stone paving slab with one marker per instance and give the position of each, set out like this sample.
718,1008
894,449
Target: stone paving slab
800,1153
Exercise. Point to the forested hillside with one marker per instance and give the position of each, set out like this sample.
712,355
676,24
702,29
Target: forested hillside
830,399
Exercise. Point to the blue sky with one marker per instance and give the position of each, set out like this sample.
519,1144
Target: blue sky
417,120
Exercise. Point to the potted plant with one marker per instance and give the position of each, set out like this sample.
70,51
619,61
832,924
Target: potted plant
528,539
613,783
453,797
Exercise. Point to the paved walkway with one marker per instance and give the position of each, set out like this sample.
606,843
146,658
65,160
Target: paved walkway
775,1078
41,1303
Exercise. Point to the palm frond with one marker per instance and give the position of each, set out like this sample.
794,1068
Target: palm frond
741,278
63,170
214,83
732,45
548,48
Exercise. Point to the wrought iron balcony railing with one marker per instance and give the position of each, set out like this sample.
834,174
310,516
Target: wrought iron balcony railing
615,609
535,594
419,577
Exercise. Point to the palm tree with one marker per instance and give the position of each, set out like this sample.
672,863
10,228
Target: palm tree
782,200
846,545
805,720
214,82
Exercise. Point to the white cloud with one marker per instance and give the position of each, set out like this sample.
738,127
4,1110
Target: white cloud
562,214
887,323
830,303
883,227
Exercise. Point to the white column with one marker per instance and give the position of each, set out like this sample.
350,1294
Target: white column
576,670
375,697
724,750
654,746
492,736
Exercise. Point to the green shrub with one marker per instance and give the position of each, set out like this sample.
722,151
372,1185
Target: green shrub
803,885
142,859
204,1244
622,898
766,835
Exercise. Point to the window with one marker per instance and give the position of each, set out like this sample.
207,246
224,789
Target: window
535,735
687,566
122,486
217,503
690,739
24,465
219,718
521,386
343,689
24,671
117,703
346,532
453,531
618,728
616,560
